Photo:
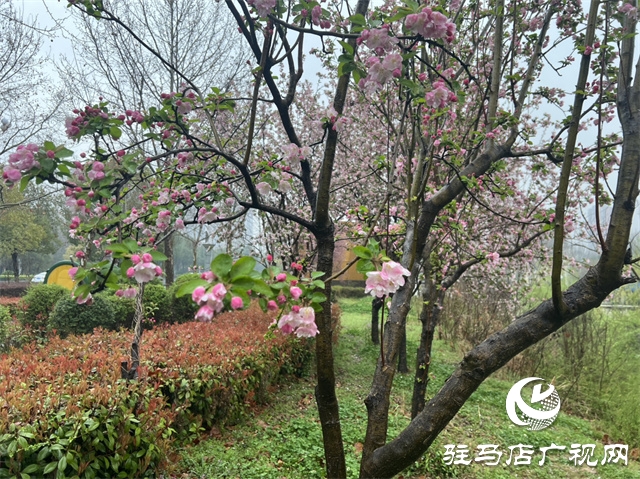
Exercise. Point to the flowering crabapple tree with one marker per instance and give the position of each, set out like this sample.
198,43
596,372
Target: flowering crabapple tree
467,79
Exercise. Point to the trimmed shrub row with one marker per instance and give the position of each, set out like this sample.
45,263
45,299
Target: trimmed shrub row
48,307
64,412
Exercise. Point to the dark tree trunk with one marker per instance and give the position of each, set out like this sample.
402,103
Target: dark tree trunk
402,354
326,399
15,265
168,264
376,305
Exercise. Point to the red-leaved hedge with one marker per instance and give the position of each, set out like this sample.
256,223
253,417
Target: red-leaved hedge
64,411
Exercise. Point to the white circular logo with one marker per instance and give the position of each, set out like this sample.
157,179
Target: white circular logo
536,418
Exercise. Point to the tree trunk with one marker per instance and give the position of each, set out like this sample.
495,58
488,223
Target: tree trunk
402,354
326,399
169,272
429,316
376,304
132,372
16,266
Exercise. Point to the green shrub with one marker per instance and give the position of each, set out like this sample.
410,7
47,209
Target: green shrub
5,319
68,413
124,309
69,317
183,309
36,306
157,304
347,291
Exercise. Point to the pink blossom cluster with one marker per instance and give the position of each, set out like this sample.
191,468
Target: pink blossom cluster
380,72
316,18
430,24
210,303
292,153
143,269
387,281
134,117
20,161
440,95
263,7
629,10
207,216
493,257
164,220
127,293
74,125
97,171
377,39
301,321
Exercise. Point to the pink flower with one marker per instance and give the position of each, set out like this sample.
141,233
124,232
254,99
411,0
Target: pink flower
269,258
208,276
263,7
11,174
263,188
236,302
144,272
301,321
205,313
135,259
386,281
219,291
295,292
272,305
376,285
395,272
130,292
628,10
72,272
493,257
130,272
281,277
88,299
198,294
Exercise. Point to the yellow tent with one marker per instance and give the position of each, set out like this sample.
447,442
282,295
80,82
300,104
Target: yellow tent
59,274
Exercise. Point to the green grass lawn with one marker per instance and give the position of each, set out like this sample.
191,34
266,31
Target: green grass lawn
284,440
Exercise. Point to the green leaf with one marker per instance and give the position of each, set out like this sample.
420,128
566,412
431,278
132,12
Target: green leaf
131,244
318,298
117,248
221,265
317,274
44,452
243,267
187,288
48,145
347,48
31,469
157,255
24,182
358,19
362,252
62,464
64,153
50,467
262,288
364,266
115,132
243,282
318,283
